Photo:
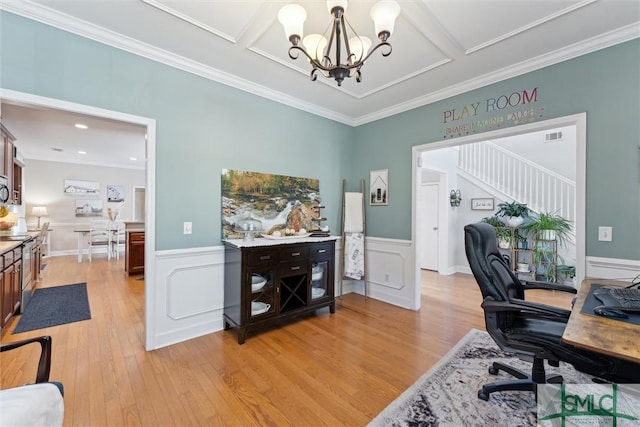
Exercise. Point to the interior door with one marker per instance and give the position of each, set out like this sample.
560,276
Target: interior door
430,229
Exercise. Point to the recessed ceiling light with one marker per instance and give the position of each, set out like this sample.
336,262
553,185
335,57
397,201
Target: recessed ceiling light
81,126
82,152
132,158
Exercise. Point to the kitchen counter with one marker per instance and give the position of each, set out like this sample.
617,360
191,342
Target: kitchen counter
10,241
6,245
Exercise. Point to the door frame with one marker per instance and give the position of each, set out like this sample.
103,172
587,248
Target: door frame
28,100
578,120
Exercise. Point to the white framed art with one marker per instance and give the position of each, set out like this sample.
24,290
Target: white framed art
379,187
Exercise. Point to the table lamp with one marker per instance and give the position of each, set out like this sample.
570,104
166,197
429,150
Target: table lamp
39,211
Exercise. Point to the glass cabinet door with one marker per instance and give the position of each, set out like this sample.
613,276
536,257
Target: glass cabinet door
262,293
319,279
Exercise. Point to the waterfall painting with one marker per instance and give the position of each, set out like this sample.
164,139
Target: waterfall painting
278,202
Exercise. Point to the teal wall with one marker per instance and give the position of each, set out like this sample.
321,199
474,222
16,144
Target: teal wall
203,127
604,84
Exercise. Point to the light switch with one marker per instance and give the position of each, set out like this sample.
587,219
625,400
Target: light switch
605,234
188,228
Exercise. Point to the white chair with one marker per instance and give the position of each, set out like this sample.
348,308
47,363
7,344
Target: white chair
117,238
99,236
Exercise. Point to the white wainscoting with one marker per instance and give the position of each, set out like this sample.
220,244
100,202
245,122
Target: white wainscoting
189,294
189,286
389,272
611,268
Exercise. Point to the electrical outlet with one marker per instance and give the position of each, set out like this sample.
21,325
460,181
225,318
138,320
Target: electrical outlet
188,228
605,234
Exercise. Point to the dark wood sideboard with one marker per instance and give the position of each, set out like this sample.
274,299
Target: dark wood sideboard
263,284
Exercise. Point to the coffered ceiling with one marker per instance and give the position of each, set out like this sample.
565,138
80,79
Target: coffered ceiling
440,48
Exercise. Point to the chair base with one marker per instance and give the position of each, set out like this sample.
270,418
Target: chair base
524,381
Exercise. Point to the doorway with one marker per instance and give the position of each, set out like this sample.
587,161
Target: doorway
35,101
578,121
139,197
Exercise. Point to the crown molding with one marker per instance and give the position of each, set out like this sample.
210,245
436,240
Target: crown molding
82,28
584,47
87,30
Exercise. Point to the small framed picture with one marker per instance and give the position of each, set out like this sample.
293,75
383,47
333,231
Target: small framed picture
482,204
115,193
88,207
77,187
379,187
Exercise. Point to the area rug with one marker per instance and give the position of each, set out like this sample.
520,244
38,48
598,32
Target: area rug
55,306
447,394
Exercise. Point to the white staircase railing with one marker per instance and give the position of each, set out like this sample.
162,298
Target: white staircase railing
524,181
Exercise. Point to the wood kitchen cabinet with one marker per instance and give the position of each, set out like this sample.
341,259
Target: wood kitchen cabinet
263,284
134,252
11,284
5,139
10,167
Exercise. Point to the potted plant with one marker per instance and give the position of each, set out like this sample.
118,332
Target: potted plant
502,234
513,213
566,274
548,226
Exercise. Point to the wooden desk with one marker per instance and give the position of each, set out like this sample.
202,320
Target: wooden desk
600,334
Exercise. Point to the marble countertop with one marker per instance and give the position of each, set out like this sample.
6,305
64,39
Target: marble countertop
261,241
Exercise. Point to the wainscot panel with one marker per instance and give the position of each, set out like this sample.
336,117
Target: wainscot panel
389,272
188,293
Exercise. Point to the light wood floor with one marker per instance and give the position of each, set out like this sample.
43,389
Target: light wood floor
323,369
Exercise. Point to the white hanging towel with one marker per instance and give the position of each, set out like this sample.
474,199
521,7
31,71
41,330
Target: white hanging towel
353,221
354,255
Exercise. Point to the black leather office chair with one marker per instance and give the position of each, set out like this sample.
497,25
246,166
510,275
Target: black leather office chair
531,330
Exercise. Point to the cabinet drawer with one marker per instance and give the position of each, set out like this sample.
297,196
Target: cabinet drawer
294,268
136,237
294,253
266,256
321,250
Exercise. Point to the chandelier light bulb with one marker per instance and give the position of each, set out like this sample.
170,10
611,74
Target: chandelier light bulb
292,17
359,46
384,14
315,44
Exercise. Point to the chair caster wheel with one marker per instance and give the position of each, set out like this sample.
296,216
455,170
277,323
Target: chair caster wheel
493,370
482,395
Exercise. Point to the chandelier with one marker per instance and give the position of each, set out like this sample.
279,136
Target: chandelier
326,57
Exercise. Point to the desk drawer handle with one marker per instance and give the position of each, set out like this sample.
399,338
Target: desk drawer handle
263,257
321,251
295,268
295,254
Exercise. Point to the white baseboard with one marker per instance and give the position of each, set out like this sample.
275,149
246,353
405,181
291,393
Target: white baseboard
612,268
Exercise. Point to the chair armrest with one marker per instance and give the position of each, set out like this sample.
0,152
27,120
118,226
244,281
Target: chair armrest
44,364
534,284
491,305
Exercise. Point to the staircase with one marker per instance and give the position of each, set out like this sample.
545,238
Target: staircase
511,177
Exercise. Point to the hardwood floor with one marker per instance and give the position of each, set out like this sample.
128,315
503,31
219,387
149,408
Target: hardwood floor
322,369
